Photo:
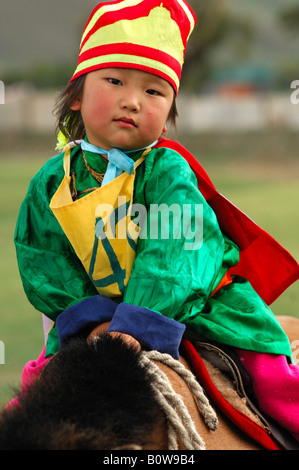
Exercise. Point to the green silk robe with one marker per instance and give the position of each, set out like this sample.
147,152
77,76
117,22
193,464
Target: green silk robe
166,277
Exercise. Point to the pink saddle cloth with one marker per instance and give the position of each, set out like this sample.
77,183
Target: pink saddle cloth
30,373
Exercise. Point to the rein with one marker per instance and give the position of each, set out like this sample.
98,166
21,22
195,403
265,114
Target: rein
180,424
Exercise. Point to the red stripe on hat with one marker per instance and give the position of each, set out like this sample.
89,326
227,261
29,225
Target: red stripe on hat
191,11
185,26
127,65
134,50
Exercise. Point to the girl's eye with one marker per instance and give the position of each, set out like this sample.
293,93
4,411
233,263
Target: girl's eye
114,81
153,92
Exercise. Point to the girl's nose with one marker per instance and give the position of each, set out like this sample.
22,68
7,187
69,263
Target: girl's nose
130,102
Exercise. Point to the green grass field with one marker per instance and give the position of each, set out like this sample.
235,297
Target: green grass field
257,172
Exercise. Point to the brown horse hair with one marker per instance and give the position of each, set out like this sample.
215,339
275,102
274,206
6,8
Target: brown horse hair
92,396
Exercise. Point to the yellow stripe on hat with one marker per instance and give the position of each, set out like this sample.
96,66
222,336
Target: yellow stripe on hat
125,59
108,8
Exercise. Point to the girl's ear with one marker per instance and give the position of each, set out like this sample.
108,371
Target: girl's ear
164,129
76,104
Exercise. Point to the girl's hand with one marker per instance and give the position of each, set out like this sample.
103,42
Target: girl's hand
102,328
134,343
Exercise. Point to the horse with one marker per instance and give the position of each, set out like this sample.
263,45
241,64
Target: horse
100,393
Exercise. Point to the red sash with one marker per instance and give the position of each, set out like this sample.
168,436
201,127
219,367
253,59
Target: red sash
263,261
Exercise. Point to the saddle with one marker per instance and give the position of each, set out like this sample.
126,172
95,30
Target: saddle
229,387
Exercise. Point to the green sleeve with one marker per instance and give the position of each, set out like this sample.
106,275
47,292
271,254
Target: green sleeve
51,273
169,273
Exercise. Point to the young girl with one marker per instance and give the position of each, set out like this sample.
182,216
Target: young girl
85,259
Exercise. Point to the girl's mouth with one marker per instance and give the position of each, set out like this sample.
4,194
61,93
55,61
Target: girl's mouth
126,122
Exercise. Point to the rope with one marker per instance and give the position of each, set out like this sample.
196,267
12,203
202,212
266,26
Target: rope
180,424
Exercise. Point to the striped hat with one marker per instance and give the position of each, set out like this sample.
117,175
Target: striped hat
148,35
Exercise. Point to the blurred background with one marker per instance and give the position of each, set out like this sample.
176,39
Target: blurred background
239,116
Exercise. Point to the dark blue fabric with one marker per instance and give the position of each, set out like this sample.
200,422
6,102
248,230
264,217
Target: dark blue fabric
155,330
97,309
151,328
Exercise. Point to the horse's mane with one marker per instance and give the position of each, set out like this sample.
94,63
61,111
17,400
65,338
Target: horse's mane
89,396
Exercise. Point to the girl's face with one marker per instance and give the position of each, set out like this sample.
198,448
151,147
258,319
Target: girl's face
124,108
